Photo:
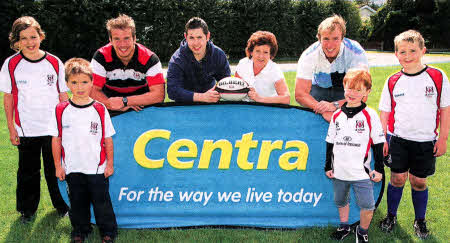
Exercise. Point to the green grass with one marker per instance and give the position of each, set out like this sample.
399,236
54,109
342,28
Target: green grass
47,227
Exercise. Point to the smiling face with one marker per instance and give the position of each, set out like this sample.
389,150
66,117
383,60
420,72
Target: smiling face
80,85
410,55
260,55
124,43
29,43
331,43
354,95
197,41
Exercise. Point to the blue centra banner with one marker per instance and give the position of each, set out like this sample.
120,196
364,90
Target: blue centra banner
222,164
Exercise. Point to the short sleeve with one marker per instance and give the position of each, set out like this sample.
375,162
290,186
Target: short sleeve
305,65
5,79
62,78
385,99
53,124
99,72
445,93
359,59
377,133
109,128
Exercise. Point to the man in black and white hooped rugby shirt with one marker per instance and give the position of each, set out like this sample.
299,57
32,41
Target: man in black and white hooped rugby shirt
126,74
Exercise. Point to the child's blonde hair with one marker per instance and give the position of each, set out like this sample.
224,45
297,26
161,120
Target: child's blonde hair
77,65
355,78
412,36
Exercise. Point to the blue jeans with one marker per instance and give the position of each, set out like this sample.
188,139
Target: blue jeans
363,192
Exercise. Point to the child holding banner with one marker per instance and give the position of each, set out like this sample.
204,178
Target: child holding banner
353,130
82,131
413,103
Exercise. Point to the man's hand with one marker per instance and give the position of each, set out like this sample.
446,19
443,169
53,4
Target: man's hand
375,176
324,106
210,96
115,103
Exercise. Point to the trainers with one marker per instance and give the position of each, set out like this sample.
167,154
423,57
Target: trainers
340,233
26,218
361,238
63,213
420,227
388,223
107,239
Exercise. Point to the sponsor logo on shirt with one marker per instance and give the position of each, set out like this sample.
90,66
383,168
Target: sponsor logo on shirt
65,126
399,95
348,144
50,79
359,127
337,126
22,81
94,128
347,138
429,91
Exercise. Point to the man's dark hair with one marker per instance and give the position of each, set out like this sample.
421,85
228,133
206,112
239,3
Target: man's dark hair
195,23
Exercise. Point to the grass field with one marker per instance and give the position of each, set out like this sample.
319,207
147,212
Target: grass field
47,227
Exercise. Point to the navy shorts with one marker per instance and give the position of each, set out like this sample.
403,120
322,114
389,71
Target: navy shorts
363,192
415,157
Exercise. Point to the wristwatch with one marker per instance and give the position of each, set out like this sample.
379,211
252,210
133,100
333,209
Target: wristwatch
125,101
336,104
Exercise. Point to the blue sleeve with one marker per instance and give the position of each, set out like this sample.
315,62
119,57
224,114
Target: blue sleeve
175,86
224,67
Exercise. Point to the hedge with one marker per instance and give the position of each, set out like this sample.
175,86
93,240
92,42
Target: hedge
77,27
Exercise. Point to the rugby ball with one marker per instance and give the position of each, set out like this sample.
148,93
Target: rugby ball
232,88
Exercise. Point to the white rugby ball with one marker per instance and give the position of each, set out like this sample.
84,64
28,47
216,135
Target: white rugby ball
232,88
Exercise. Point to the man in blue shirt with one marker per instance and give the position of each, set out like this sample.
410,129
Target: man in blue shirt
196,66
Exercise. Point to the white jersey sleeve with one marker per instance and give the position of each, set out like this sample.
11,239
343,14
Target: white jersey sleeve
359,60
377,133
98,69
53,125
305,66
62,77
5,79
445,93
385,99
109,128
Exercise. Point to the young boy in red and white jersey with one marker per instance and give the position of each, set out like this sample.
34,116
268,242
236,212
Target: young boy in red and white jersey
353,130
82,142
413,103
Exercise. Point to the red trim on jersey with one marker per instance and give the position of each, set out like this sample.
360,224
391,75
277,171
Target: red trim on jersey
144,54
12,65
157,79
98,80
59,111
54,62
101,112
336,115
106,51
437,78
369,123
125,90
391,83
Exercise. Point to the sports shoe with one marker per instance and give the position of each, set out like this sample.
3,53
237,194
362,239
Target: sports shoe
63,213
420,227
361,238
26,218
340,233
388,223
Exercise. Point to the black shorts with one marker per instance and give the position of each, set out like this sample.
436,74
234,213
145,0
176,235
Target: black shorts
415,157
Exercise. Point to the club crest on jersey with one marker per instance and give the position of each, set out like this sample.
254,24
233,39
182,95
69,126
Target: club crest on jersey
359,127
429,91
337,126
94,128
50,79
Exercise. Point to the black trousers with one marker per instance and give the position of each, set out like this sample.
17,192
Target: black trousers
29,175
84,190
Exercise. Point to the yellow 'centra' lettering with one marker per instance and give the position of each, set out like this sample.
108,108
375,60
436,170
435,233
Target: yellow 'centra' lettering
186,148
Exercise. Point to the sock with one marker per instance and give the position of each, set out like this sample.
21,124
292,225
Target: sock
362,231
344,225
420,200
394,195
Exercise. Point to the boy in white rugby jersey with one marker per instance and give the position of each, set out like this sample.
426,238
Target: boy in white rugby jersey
353,130
82,138
413,103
